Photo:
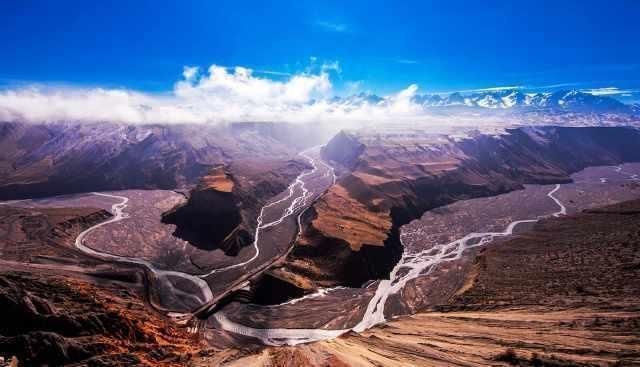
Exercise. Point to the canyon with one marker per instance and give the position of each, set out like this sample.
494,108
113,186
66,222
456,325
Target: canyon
391,179
319,184
361,244
557,295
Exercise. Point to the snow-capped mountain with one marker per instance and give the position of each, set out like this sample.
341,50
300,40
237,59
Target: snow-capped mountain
565,100
572,100
358,99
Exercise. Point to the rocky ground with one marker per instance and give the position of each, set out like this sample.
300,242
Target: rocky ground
391,177
569,289
55,319
60,307
343,307
41,235
563,294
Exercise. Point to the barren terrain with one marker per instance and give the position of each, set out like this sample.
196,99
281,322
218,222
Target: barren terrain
563,294
466,233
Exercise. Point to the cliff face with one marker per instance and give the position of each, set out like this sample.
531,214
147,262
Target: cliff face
344,149
39,160
210,217
221,210
388,180
563,294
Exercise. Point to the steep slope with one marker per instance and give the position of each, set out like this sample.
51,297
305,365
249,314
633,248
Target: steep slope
390,179
210,216
221,210
563,294
58,320
53,159
259,160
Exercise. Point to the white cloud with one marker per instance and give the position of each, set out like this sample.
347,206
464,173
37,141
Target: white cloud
608,91
272,72
407,61
332,27
220,95
190,72
353,87
490,89
325,67
331,66
240,86
215,95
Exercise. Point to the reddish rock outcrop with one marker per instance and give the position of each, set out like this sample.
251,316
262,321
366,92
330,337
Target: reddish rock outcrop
221,210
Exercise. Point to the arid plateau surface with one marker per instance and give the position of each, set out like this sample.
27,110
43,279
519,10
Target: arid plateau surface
270,245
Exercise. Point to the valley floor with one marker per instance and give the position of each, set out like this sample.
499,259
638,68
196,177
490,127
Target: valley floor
563,294
435,262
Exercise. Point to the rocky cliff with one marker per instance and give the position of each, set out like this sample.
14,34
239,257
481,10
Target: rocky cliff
563,294
390,179
221,211
210,217
39,160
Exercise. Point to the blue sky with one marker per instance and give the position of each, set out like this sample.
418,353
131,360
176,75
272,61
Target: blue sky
380,46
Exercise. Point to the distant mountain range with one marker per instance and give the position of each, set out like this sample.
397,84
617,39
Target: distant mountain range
564,100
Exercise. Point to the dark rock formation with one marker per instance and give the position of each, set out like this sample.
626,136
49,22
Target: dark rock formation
221,210
210,216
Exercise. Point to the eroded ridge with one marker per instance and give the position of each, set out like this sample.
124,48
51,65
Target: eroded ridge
411,266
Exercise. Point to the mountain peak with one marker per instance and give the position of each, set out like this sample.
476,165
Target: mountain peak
572,99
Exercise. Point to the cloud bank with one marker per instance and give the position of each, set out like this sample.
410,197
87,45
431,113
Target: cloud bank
609,91
223,95
215,95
